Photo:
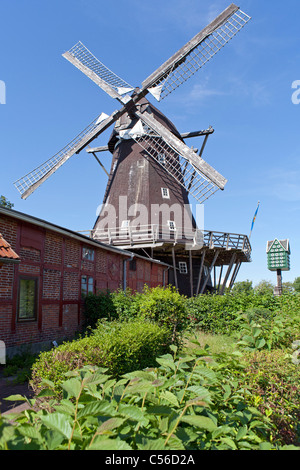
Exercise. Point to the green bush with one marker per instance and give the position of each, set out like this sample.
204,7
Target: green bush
220,314
119,347
261,329
274,387
97,307
186,402
166,307
126,304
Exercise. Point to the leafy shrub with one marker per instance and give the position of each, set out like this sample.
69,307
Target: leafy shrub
221,314
166,307
261,329
213,313
274,387
19,366
191,402
118,346
126,303
97,307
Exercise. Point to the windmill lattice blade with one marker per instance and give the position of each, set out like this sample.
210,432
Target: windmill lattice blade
197,52
30,182
85,61
183,166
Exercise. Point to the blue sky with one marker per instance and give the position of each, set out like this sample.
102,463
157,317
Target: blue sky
245,93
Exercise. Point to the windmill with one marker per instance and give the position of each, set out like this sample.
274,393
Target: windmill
152,165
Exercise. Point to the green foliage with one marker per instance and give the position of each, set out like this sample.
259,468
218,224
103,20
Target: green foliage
264,287
118,346
221,314
20,367
4,202
97,307
263,330
120,389
165,306
296,284
243,287
274,386
126,304
186,402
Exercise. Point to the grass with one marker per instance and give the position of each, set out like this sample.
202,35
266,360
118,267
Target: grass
217,343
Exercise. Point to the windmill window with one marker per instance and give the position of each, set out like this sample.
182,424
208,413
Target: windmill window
165,193
172,225
141,163
87,285
183,267
88,254
125,224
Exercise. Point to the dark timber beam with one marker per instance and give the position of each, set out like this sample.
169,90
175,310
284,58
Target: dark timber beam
201,272
209,272
233,259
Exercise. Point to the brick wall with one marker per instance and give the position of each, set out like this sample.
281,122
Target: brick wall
56,261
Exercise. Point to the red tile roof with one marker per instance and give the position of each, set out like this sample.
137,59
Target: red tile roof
7,254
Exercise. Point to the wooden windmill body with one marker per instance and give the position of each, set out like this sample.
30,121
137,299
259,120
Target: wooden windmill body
146,205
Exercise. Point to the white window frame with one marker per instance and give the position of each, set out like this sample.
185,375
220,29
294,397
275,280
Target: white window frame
183,269
172,225
125,224
165,193
141,163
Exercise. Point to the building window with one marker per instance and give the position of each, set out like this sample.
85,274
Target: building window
87,285
28,299
132,265
172,225
125,224
183,267
141,163
165,193
88,253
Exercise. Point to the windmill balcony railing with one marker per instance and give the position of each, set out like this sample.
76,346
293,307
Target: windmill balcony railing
154,234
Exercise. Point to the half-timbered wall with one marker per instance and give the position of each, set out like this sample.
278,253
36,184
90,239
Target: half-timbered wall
56,261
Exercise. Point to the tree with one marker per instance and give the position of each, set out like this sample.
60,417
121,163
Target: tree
288,287
296,284
4,202
243,287
264,287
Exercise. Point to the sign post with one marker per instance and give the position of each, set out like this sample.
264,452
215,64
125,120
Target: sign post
278,252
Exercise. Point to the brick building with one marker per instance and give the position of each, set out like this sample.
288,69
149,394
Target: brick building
41,295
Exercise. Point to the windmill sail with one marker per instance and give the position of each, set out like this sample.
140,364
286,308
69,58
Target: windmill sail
85,61
196,53
30,182
183,164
